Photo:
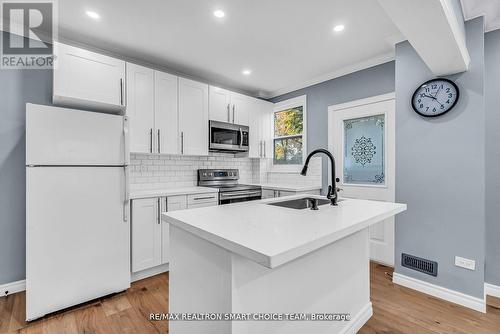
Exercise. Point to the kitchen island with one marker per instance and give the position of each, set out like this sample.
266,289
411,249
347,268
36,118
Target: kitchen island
258,259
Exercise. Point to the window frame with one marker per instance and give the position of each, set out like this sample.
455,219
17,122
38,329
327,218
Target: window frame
299,101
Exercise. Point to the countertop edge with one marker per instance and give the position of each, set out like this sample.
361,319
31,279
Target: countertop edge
150,193
276,260
292,254
287,187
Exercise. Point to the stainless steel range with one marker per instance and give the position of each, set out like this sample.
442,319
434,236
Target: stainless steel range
226,180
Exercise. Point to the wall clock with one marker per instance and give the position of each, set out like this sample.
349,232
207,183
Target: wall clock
435,97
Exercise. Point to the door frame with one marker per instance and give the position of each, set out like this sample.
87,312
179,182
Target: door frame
369,191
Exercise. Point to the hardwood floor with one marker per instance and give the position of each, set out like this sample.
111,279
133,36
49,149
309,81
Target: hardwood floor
396,310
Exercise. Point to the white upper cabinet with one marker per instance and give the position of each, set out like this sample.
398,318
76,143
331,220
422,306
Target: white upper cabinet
193,117
166,113
241,107
267,109
140,108
256,130
260,117
230,107
220,104
88,80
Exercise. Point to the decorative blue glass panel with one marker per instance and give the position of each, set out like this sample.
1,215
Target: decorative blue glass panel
364,150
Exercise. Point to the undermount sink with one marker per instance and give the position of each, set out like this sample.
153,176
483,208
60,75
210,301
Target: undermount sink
300,203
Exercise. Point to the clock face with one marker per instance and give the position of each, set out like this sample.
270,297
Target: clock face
435,97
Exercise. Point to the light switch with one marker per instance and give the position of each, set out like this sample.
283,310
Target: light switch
465,263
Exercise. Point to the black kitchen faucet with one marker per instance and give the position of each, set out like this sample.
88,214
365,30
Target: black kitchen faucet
332,194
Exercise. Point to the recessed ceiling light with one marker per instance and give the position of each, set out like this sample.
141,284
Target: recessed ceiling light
339,28
219,13
246,72
92,15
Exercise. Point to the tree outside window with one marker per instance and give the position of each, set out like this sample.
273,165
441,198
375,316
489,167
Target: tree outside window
288,136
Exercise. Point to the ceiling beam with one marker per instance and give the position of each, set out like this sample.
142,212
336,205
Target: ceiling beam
435,30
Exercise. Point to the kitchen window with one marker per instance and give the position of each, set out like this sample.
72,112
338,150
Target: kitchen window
289,129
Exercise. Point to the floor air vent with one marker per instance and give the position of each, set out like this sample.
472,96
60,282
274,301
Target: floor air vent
425,266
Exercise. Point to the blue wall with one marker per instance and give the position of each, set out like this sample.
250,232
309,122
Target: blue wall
373,81
492,63
17,87
440,171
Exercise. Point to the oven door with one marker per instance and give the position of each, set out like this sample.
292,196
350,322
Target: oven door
239,196
228,137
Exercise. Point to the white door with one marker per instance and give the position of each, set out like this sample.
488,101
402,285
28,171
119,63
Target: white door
146,234
61,136
77,242
362,139
140,108
241,107
166,113
220,104
88,79
193,117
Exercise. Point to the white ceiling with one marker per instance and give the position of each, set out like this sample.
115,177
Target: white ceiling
490,9
288,44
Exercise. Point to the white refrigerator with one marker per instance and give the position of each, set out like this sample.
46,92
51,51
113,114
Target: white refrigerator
77,207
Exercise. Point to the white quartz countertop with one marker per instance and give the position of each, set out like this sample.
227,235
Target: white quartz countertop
171,192
288,187
272,235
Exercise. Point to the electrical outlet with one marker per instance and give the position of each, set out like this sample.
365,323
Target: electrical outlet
465,263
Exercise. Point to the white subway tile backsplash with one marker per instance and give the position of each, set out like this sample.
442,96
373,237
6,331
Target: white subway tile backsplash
170,171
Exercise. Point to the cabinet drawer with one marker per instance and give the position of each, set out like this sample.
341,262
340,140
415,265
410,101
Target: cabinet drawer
175,203
202,205
202,198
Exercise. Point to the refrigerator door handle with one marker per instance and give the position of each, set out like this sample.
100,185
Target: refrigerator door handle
126,202
126,141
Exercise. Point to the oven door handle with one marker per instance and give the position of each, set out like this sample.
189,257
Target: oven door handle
240,194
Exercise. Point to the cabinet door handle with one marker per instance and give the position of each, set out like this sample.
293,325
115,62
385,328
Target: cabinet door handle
182,142
260,149
202,198
228,113
264,146
233,112
159,211
159,141
151,140
121,91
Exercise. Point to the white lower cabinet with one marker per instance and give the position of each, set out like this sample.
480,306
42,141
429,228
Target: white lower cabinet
146,234
150,235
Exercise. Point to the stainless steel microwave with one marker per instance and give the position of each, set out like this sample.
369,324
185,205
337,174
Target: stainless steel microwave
228,137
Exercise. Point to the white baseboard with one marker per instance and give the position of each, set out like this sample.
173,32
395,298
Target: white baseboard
13,287
149,272
359,320
491,290
453,296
